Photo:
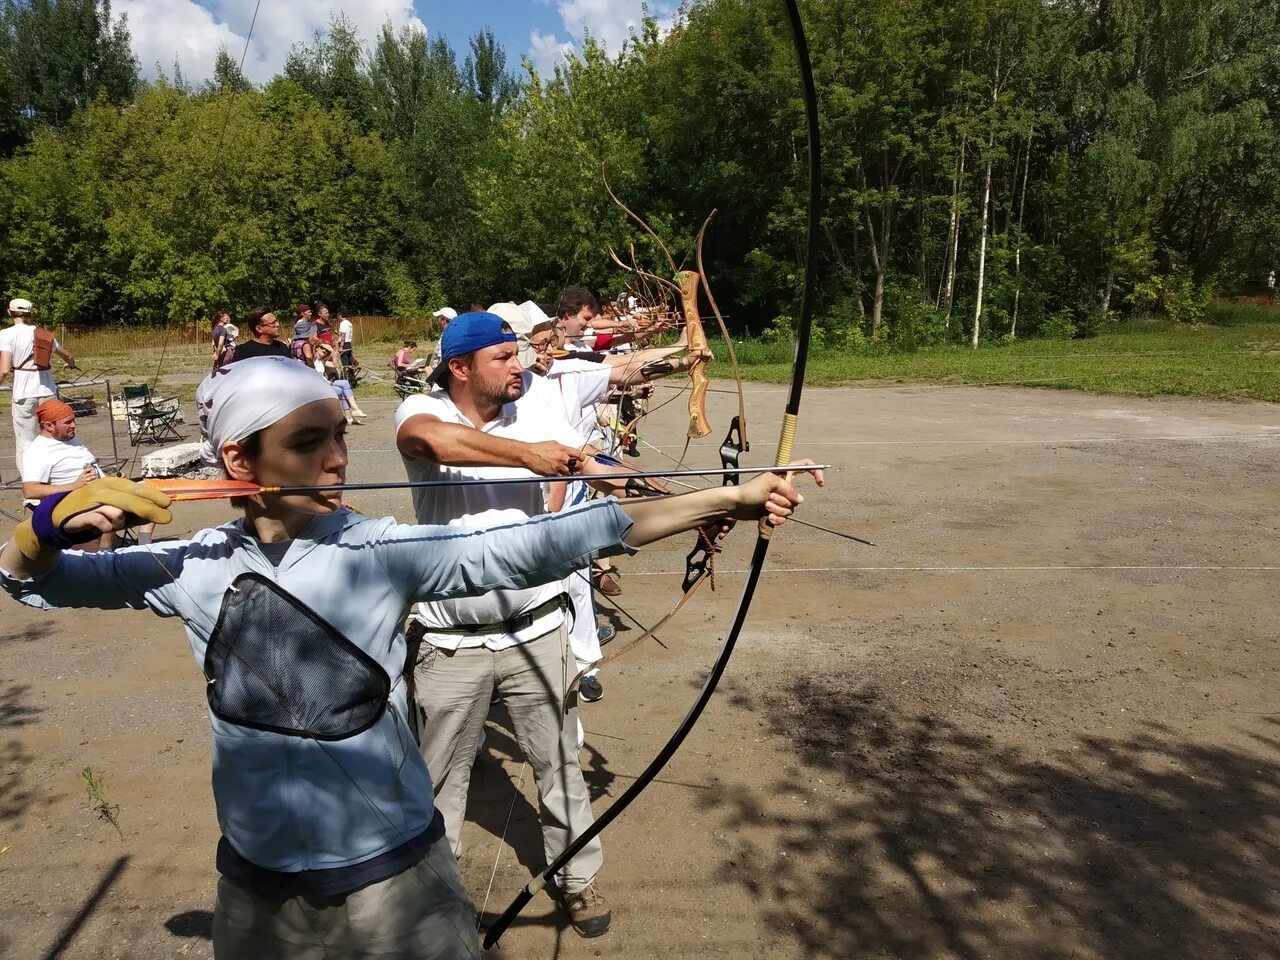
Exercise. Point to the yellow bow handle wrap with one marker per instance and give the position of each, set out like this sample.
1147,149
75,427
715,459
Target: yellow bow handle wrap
137,504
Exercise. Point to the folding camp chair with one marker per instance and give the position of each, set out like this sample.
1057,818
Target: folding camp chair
150,418
154,422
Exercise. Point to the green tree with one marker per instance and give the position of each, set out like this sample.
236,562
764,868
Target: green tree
55,57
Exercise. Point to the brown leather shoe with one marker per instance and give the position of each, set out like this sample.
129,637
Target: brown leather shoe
608,584
588,912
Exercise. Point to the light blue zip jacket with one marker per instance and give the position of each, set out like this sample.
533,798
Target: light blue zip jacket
292,803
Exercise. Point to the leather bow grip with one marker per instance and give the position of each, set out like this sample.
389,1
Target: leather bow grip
785,443
699,425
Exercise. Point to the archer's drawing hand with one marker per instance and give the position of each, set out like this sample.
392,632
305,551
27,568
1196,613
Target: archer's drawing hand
550,459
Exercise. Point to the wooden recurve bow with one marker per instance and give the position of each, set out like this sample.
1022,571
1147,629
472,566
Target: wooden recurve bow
699,426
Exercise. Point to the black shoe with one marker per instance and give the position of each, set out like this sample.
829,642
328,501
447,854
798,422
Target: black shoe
590,689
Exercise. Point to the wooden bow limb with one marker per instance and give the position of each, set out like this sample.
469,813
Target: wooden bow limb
643,274
638,219
724,332
634,642
646,292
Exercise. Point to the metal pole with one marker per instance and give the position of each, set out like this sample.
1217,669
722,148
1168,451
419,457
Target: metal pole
115,452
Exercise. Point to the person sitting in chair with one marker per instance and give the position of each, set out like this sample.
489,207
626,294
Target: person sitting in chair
405,362
58,462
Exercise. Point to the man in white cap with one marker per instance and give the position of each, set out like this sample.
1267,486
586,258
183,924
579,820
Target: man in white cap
25,351
444,315
518,320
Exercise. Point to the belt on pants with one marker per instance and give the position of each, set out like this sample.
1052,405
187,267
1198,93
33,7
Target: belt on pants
512,626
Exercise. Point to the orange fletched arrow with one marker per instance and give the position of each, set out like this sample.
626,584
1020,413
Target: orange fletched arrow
181,490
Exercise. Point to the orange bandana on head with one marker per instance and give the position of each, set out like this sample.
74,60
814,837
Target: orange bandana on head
51,411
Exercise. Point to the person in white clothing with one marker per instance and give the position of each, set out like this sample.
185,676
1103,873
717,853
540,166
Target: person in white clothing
581,387
25,352
346,340
444,315
58,462
490,419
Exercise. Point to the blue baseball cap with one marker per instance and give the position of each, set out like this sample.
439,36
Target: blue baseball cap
467,333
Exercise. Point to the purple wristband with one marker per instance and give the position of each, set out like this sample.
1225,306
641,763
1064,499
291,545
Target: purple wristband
47,532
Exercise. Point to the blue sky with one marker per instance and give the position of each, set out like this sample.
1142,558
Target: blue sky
192,30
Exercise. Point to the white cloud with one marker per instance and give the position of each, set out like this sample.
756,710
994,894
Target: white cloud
191,31
611,22
546,52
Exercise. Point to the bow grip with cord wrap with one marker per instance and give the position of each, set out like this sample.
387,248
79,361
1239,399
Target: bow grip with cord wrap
785,442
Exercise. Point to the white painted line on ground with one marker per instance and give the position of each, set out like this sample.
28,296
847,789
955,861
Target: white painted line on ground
1224,438
1208,438
978,569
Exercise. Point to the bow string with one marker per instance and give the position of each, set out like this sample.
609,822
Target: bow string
785,442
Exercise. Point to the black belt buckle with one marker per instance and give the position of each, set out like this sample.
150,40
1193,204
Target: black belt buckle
525,620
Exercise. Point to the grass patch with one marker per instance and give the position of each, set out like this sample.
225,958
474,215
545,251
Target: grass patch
1236,356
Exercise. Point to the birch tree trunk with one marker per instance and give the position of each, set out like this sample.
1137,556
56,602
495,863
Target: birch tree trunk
982,249
879,260
1017,250
953,240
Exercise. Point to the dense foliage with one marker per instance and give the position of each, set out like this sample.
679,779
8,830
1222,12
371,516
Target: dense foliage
991,167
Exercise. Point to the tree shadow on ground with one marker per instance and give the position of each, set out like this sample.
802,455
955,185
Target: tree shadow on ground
29,633
924,840
15,711
16,795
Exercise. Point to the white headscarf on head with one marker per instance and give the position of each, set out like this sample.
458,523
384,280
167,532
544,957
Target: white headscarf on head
250,395
520,324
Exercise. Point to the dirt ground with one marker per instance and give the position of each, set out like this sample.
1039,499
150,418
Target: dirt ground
1038,720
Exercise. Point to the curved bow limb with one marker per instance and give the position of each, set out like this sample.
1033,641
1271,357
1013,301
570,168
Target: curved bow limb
805,325
639,220
736,441
643,274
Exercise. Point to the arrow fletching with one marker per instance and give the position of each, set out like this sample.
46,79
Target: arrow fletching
181,490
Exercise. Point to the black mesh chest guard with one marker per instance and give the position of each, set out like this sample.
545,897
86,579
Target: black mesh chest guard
274,664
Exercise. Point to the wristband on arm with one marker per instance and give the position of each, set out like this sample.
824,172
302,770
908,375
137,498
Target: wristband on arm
45,533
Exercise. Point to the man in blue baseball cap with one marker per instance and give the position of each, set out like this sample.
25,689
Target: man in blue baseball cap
489,418
465,334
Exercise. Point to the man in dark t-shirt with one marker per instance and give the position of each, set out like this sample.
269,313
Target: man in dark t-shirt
263,327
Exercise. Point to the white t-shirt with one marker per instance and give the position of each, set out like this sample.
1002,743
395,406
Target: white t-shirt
535,417
19,340
56,462
580,385
346,332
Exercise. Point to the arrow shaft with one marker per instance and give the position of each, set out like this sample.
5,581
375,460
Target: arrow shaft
834,533
502,481
249,490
